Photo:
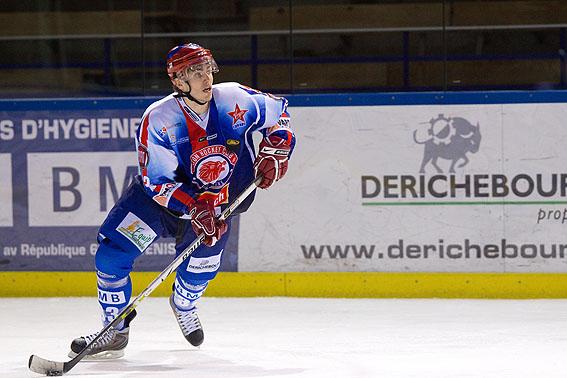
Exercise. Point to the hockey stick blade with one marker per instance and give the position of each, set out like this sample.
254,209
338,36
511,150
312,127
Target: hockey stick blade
53,368
46,367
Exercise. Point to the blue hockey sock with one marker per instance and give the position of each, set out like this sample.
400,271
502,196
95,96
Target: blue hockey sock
113,296
186,293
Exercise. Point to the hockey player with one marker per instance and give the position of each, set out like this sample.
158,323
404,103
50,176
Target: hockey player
195,153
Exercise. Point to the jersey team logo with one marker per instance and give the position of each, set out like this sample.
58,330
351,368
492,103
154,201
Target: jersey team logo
238,117
212,166
210,171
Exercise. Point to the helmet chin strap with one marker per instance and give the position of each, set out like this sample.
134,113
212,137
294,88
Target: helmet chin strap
189,97
181,93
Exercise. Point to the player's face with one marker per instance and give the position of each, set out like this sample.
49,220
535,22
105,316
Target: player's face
201,83
199,78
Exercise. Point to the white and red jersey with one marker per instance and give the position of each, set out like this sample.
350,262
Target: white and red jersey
184,156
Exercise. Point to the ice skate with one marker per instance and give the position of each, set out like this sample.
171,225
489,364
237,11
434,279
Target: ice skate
189,323
108,347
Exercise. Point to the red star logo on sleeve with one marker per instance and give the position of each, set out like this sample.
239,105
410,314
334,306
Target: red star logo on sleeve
237,114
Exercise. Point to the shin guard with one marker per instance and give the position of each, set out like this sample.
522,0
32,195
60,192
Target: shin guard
113,296
186,293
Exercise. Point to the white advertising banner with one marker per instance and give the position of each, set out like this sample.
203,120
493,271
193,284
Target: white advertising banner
76,188
436,188
6,209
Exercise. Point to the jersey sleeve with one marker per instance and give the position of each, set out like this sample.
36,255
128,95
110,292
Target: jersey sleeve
158,165
277,121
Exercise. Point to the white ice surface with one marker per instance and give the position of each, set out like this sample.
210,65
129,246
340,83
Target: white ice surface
293,337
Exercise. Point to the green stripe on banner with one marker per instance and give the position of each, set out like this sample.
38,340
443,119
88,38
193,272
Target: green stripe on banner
332,285
464,203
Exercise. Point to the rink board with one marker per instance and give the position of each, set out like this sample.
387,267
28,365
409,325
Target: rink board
332,284
358,197
355,217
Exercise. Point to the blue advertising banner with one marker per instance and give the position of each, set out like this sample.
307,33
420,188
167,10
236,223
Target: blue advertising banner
63,165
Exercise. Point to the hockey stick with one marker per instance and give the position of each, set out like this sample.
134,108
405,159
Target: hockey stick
54,368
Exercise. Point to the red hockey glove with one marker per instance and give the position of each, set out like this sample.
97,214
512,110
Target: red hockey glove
272,159
203,220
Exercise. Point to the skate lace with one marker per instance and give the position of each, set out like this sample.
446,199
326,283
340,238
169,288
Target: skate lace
106,338
188,320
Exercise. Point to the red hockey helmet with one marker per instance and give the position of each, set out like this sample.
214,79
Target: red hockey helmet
184,56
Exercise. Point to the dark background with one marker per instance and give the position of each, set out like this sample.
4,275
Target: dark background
70,48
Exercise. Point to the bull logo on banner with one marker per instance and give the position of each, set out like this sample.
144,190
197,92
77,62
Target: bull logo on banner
448,138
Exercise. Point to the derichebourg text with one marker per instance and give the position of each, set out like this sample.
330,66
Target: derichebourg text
465,186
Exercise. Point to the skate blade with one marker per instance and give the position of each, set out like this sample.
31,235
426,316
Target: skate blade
101,356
